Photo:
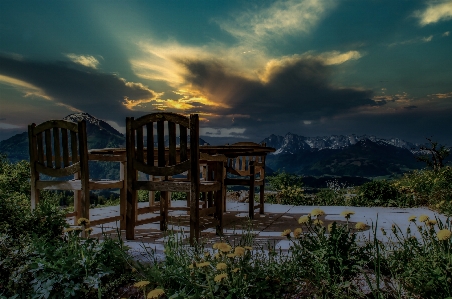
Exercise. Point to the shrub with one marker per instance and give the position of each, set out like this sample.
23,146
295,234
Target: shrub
289,188
378,193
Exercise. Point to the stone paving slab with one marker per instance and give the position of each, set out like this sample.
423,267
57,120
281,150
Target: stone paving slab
266,229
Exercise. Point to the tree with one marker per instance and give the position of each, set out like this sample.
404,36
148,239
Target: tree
435,155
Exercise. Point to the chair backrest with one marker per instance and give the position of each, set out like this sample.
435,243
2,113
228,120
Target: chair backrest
240,165
58,148
150,155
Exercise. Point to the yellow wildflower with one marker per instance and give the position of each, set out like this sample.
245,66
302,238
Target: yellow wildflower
444,234
221,266
155,293
89,230
360,226
235,270
224,247
412,218
286,233
216,255
201,265
83,221
231,255
317,212
304,219
220,277
141,284
431,222
423,218
248,248
297,232
347,213
318,222
206,254
239,251
68,230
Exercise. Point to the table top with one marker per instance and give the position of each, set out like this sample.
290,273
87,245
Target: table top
234,150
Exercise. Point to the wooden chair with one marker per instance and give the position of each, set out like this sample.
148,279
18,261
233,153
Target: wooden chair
248,170
163,163
58,148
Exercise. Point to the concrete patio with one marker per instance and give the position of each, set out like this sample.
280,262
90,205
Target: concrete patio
266,228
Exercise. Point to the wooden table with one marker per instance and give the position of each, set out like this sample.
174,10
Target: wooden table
230,151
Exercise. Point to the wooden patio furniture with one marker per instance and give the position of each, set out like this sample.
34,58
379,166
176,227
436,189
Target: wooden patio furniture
248,170
58,149
170,169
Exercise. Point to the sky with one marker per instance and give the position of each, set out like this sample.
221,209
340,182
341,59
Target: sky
249,68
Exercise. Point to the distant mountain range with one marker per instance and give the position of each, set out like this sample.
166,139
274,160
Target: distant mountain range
337,155
342,155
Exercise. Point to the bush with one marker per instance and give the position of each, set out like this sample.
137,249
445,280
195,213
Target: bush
378,193
289,188
429,187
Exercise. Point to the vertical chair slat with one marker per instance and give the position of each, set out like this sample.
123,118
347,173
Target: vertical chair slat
40,148
48,143
183,143
140,155
150,143
56,147
172,142
65,145
161,143
74,147
131,177
194,171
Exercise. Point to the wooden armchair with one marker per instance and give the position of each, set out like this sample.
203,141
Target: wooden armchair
248,170
163,164
58,149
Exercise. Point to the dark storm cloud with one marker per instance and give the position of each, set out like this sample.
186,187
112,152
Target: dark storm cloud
83,88
300,90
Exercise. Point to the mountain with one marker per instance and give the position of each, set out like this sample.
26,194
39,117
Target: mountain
339,155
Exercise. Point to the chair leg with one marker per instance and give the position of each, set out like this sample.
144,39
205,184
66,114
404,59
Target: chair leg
219,211
261,198
131,214
164,199
194,217
77,205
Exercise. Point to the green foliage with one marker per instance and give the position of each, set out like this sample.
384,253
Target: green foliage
422,264
289,188
378,193
429,187
329,261
76,267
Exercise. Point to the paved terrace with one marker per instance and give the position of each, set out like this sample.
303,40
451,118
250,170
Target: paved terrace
266,228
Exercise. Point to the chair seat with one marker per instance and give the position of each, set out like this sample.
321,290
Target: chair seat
178,186
77,185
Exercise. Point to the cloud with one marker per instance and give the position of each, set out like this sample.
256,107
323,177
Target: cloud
435,13
423,39
281,18
77,87
289,90
8,126
447,33
442,95
85,60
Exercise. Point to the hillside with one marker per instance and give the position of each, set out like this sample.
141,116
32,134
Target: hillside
341,155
